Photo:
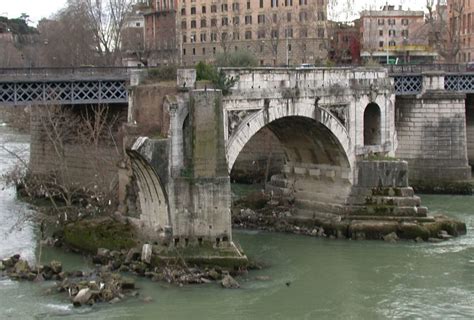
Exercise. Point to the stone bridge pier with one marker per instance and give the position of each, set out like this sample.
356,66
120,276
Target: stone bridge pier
337,131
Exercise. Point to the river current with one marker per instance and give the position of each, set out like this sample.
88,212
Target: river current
310,278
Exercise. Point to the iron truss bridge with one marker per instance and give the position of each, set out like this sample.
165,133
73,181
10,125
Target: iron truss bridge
63,86
408,79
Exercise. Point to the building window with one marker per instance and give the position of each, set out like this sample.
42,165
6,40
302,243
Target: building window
225,21
213,22
194,51
203,23
203,9
203,37
261,19
183,11
236,21
405,22
303,33
274,3
381,33
261,34
224,7
248,19
183,24
184,38
321,16
405,33
303,16
380,44
288,3
213,50
192,38
248,5
289,33
392,43
213,37
203,51
321,33
184,52
235,6
392,33
261,3
288,16
380,22
391,22
274,34
236,35
193,10
213,8
303,2
248,35
193,24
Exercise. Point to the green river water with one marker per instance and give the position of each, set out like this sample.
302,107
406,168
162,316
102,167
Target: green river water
327,279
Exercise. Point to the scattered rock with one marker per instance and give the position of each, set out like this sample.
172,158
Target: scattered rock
56,266
115,300
146,253
263,278
435,240
443,234
82,297
229,283
214,275
132,255
103,252
418,239
147,299
22,269
391,237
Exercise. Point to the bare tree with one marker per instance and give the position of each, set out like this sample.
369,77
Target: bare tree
445,27
107,18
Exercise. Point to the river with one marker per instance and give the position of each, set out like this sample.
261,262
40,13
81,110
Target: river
310,278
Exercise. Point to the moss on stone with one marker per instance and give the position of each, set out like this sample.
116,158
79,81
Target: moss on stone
413,231
89,235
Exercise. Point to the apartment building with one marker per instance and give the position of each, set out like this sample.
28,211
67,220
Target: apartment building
394,35
461,33
277,32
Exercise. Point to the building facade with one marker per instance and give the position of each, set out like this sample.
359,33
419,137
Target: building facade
395,35
277,32
344,42
461,24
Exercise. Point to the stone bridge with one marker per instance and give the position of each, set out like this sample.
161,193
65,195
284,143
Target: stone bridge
340,131
337,129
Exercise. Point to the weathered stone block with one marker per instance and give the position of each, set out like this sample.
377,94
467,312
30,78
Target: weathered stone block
382,174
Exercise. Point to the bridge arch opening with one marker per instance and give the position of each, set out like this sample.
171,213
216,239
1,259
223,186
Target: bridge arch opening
372,124
315,171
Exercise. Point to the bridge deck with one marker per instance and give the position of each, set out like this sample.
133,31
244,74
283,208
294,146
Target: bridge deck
86,85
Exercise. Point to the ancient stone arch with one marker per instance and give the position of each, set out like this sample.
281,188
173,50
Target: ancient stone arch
253,122
152,196
372,125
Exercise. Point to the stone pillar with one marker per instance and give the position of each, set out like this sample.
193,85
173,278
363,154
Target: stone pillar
203,197
431,129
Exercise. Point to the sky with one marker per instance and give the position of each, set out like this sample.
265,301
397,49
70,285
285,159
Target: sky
38,9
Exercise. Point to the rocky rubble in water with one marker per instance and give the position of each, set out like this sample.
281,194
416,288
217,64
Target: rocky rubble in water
82,288
178,272
261,212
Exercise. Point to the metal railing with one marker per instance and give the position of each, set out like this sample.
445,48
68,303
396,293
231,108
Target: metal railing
421,68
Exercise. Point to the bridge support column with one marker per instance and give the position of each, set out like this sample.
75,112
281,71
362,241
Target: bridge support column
201,207
431,130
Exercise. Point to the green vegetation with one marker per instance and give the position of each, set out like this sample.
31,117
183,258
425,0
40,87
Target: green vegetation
163,73
237,59
89,235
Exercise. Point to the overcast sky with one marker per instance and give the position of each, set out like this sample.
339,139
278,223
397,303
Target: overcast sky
38,9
